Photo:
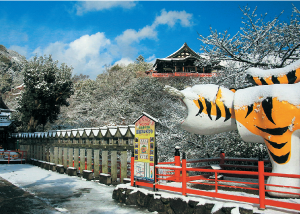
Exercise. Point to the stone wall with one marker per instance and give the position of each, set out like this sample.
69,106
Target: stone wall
162,202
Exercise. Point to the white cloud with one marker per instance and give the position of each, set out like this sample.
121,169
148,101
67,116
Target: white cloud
172,17
149,32
127,43
129,36
87,6
86,55
88,46
124,61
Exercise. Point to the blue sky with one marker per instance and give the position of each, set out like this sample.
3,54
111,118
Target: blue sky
89,35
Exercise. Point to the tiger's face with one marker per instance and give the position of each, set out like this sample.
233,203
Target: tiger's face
210,109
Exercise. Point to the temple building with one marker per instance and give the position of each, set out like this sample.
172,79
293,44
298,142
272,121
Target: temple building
181,63
6,126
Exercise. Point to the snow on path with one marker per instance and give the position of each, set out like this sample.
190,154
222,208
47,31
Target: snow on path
66,194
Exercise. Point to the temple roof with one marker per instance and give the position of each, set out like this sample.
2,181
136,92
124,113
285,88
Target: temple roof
183,52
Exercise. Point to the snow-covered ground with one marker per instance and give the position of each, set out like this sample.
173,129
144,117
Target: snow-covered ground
66,194
76,195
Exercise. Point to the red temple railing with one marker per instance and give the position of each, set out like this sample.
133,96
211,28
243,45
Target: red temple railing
177,74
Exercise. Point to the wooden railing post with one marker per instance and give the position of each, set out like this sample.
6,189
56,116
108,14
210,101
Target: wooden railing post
216,182
177,163
8,157
183,174
222,156
132,170
261,184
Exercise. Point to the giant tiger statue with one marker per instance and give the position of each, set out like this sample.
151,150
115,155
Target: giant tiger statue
267,113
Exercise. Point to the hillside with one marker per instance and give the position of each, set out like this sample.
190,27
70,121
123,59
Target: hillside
119,96
11,65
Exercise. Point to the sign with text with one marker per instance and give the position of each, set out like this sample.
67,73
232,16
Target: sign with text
144,148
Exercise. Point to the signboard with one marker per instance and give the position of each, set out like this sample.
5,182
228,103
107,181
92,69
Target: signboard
144,148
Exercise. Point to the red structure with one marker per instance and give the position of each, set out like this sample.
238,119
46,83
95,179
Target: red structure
184,178
12,156
183,74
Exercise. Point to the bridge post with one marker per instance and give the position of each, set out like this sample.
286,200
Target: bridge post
261,184
177,163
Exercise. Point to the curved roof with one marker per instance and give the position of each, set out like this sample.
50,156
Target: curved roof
183,51
182,54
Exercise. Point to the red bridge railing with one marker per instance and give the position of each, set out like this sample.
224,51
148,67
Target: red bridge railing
178,172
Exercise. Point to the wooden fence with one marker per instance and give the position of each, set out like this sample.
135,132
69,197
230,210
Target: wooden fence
101,150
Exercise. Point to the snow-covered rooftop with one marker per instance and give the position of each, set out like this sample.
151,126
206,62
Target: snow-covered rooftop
81,131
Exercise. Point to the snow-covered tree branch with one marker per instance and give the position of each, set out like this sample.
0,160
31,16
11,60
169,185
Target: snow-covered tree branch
259,43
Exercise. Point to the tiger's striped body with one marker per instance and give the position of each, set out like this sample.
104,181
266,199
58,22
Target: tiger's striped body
268,113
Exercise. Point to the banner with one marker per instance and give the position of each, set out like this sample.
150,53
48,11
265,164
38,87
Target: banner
144,148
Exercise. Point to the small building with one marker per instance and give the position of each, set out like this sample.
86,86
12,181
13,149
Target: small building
6,126
181,63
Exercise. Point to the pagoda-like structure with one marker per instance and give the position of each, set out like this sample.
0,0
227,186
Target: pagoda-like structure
181,63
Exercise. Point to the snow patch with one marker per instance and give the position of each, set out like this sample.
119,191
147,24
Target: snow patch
256,94
277,72
209,92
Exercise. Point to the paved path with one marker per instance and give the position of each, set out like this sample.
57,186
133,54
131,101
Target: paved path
14,200
41,191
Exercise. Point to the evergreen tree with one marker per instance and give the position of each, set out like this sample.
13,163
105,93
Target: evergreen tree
47,88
